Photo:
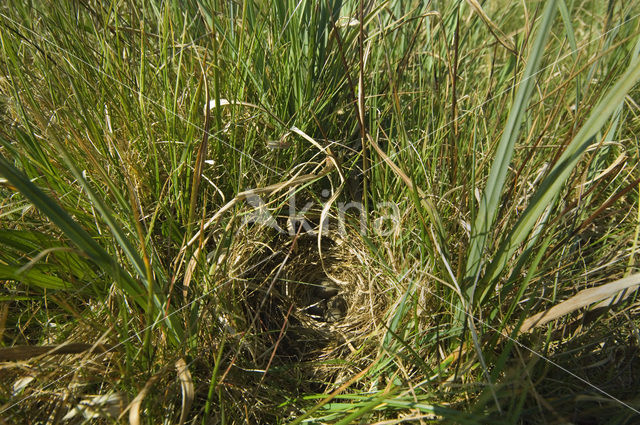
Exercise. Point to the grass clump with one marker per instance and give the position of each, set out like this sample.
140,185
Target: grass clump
319,212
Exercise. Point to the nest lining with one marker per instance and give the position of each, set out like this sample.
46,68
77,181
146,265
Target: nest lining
308,313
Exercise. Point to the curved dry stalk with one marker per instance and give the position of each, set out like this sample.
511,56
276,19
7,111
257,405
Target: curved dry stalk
267,190
134,406
609,292
493,28
186,385
330,201
26,352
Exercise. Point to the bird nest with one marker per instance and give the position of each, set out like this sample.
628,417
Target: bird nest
308,303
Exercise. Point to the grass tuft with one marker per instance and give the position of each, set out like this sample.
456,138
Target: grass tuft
319,212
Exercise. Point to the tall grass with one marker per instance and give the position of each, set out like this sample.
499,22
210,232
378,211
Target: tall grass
504,133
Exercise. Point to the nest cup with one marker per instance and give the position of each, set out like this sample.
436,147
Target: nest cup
312,311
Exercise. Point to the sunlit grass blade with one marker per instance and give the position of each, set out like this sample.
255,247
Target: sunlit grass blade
568,27
36,275
490,201
78,236
552,185
56,214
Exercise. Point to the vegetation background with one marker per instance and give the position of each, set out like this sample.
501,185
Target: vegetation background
505,132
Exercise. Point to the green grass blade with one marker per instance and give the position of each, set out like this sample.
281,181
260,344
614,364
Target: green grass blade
55,213
81,239
367,407
568,27
490,201
398,315
552,185
37,276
